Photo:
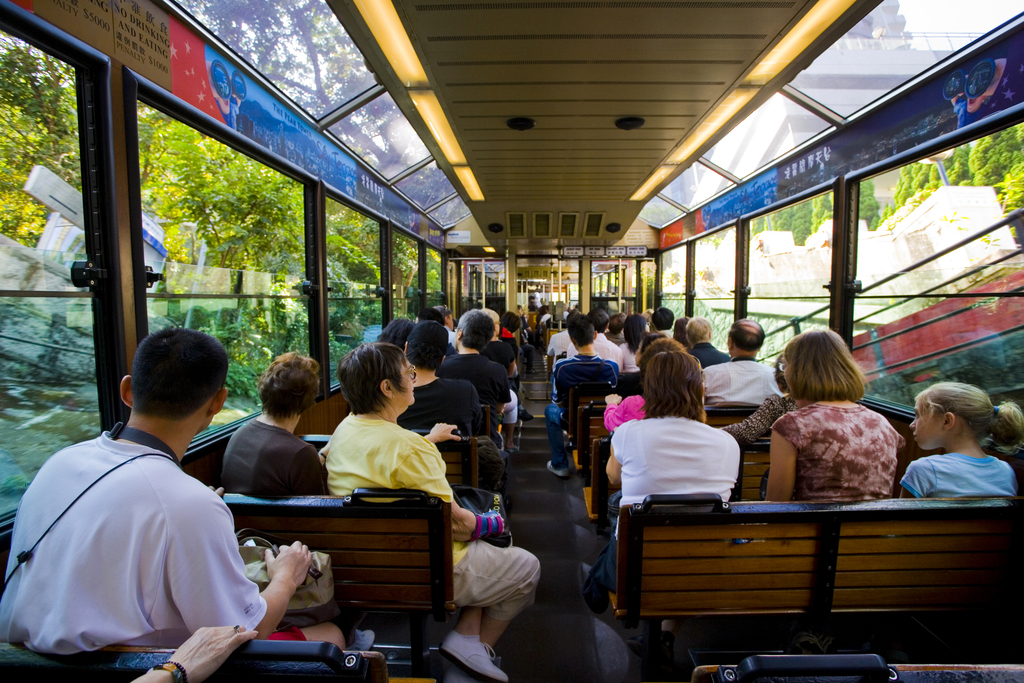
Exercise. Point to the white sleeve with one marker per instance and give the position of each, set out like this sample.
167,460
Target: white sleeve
204,570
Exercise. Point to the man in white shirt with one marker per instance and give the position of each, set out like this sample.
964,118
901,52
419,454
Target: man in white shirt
602,347
742,381
148,554
559,343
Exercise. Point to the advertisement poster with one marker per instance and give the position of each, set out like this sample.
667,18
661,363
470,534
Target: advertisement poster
967,91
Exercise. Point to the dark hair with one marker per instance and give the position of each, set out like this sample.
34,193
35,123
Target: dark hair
290,385
648,339
396,332
542,311
599,319
655,343
616,322
633,331
175,371
674,386
747,335
679,331
444,311
510,321
662,319
361,371
430,314
581,330
477,329
423,355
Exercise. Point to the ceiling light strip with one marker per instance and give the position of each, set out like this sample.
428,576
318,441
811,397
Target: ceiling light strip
468,180
382,19
656,178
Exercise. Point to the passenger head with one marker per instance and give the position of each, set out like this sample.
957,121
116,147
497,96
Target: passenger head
430,314
542,311
819,367
679,331
745,337
510,321
427,345
175,372
673,385
599,319
1002,427
698,331
633,331
446,315
375,377
662,319
656,344
289,385
475,330
581,330
495,321
616,323
396,332
780,373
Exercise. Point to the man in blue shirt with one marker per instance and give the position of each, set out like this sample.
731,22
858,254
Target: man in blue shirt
586,366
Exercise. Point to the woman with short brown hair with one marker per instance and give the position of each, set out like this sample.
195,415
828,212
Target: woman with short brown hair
830,448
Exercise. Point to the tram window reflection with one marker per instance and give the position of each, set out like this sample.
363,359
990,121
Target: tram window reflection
354,306
435,293
405,284
673,281
48,393
956,318
228,235
790,264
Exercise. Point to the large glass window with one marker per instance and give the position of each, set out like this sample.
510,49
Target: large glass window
924,318
451,212
301,47
648,276
673,281
716,278
427,186
604,285
695,186
228,235
790,264
435,293
354,305
658,213
405,284
483,285
382,137
48,396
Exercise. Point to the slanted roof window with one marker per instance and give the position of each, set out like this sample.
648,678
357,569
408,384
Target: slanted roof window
427,186
380,134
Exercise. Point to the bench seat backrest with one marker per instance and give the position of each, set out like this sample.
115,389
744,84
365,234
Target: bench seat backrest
461,461
385,556
776,558
722,416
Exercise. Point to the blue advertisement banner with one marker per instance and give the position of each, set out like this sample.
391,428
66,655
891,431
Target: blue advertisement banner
967,91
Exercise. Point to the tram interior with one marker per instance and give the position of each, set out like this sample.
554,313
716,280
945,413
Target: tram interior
294,176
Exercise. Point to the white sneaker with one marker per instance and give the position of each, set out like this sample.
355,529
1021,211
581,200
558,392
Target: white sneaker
361,641
472,656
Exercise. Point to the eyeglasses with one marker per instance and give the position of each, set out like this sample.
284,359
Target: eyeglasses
412,374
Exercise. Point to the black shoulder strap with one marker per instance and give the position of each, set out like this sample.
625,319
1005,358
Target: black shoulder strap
600,369
118,431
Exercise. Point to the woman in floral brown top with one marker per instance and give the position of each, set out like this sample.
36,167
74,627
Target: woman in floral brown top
830,448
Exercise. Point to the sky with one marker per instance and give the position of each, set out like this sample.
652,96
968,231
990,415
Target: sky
941,16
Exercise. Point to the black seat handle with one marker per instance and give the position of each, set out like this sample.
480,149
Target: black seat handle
686,500
341,663
758,666
391,496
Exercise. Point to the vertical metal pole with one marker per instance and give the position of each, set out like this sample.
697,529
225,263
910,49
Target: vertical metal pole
691,277
316,273
742,291
844,285
385,272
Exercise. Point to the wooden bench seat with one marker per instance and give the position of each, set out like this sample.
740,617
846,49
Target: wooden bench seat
461,461
390,550
682,556
590,423
782,668
280,661
720,416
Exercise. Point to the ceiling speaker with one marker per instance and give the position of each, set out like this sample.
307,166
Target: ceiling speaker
629,123
520,123
495,227
613,227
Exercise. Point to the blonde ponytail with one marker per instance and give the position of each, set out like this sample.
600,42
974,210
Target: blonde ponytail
1008,427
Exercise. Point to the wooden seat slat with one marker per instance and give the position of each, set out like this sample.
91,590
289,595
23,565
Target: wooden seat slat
920,561
713,582
692,602
380,574
726,548
899,598
362,558
279,525
901,545
342,542
368,592
735,565
938,577
927,528
674,533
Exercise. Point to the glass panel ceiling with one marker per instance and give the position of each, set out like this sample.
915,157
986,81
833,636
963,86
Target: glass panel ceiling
659,213
896,41
450,212
696,185
777,126
300,46
380,134
427,186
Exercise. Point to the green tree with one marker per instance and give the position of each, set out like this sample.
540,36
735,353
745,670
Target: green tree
867,205
38,126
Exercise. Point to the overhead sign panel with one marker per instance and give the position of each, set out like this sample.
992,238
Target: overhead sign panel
594,251
572,251
615,251
636,251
